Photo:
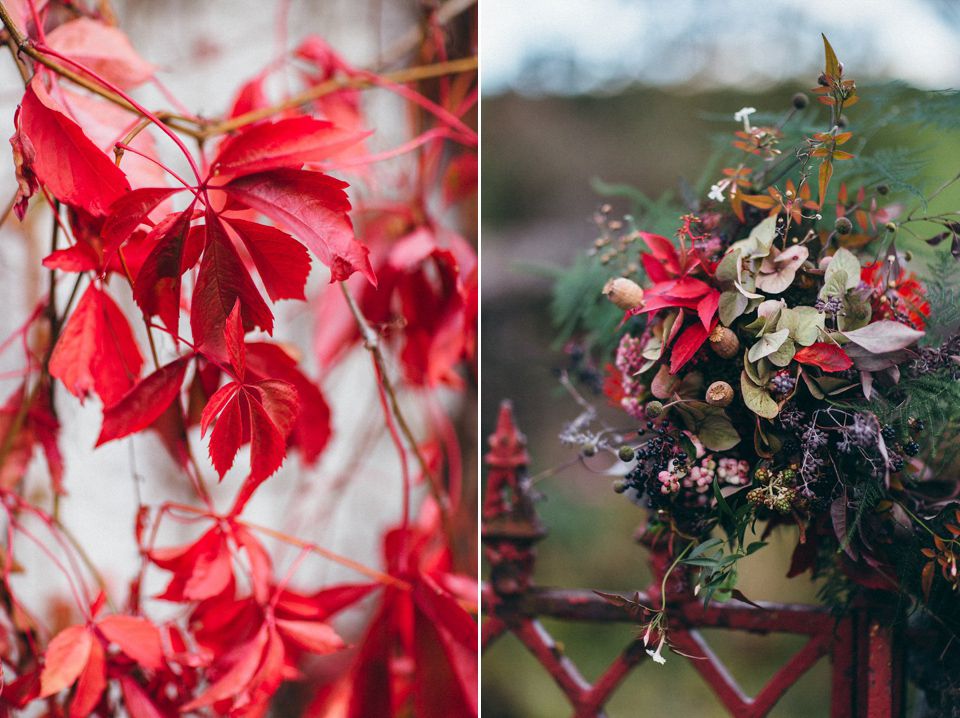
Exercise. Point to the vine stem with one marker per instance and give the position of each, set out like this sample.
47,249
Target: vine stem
372,343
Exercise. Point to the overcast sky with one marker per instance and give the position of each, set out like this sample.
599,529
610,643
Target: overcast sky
571,46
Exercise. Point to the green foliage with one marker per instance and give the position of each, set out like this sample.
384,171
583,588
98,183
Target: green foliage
943,294
897,168
935,399
578,305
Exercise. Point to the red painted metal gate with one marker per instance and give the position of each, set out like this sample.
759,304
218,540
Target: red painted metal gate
866,654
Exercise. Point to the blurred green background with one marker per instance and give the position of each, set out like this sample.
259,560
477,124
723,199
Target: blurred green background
551,123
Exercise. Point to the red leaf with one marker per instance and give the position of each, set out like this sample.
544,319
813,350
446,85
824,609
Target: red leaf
144,403
286,143
825,355
707,308
65,658
157,286
243,661
81,257
311,431
687,345
283,263
323,604
91,683
268,445
97,349
104,49
313,636
261,567
314,207
215,405
139,704
233,338
67,162
226,437
445,655
128,213
222,281
137,637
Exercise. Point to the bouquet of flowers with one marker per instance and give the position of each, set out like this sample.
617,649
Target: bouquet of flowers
786,365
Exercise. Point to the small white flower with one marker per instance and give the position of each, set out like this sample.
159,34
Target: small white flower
716,192
744,116
655,655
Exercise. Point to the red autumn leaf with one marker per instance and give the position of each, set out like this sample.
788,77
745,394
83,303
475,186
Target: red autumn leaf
313,636
233,339
460,178
221,282
825,355
103,49
138,703
144,403
265,411
81,257
65,659
314,207
687,344
311,431
286,143
128,213
445,646
267,444
91,683
136,637
39,426
156,289
283,263
261,567
67,162
24,155
200,570
323,604
96,349
243,662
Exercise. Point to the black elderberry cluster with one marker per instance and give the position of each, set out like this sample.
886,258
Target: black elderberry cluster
660,452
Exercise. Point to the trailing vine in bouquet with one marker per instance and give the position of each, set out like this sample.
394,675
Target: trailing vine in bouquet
162,301
783,361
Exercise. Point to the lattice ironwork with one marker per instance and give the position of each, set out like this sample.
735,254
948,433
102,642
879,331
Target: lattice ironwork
865,652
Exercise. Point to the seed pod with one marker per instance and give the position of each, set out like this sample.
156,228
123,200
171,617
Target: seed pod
653,409
625,293
724,342
719,394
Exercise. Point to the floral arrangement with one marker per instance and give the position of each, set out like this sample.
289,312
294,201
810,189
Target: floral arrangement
786,365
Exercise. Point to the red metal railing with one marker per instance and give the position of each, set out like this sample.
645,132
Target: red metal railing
866,653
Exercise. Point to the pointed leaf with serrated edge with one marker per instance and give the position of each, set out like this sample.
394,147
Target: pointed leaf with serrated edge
96,349
226,436
233,337
314,208
65,658
283,263
137,637
288,143
157,286
216,403
222,281
144,403
268,446
67,162
128,212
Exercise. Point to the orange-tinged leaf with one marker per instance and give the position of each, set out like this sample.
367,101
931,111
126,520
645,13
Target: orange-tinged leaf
826,172
926,578
137,637
91,683
832,65
65,659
